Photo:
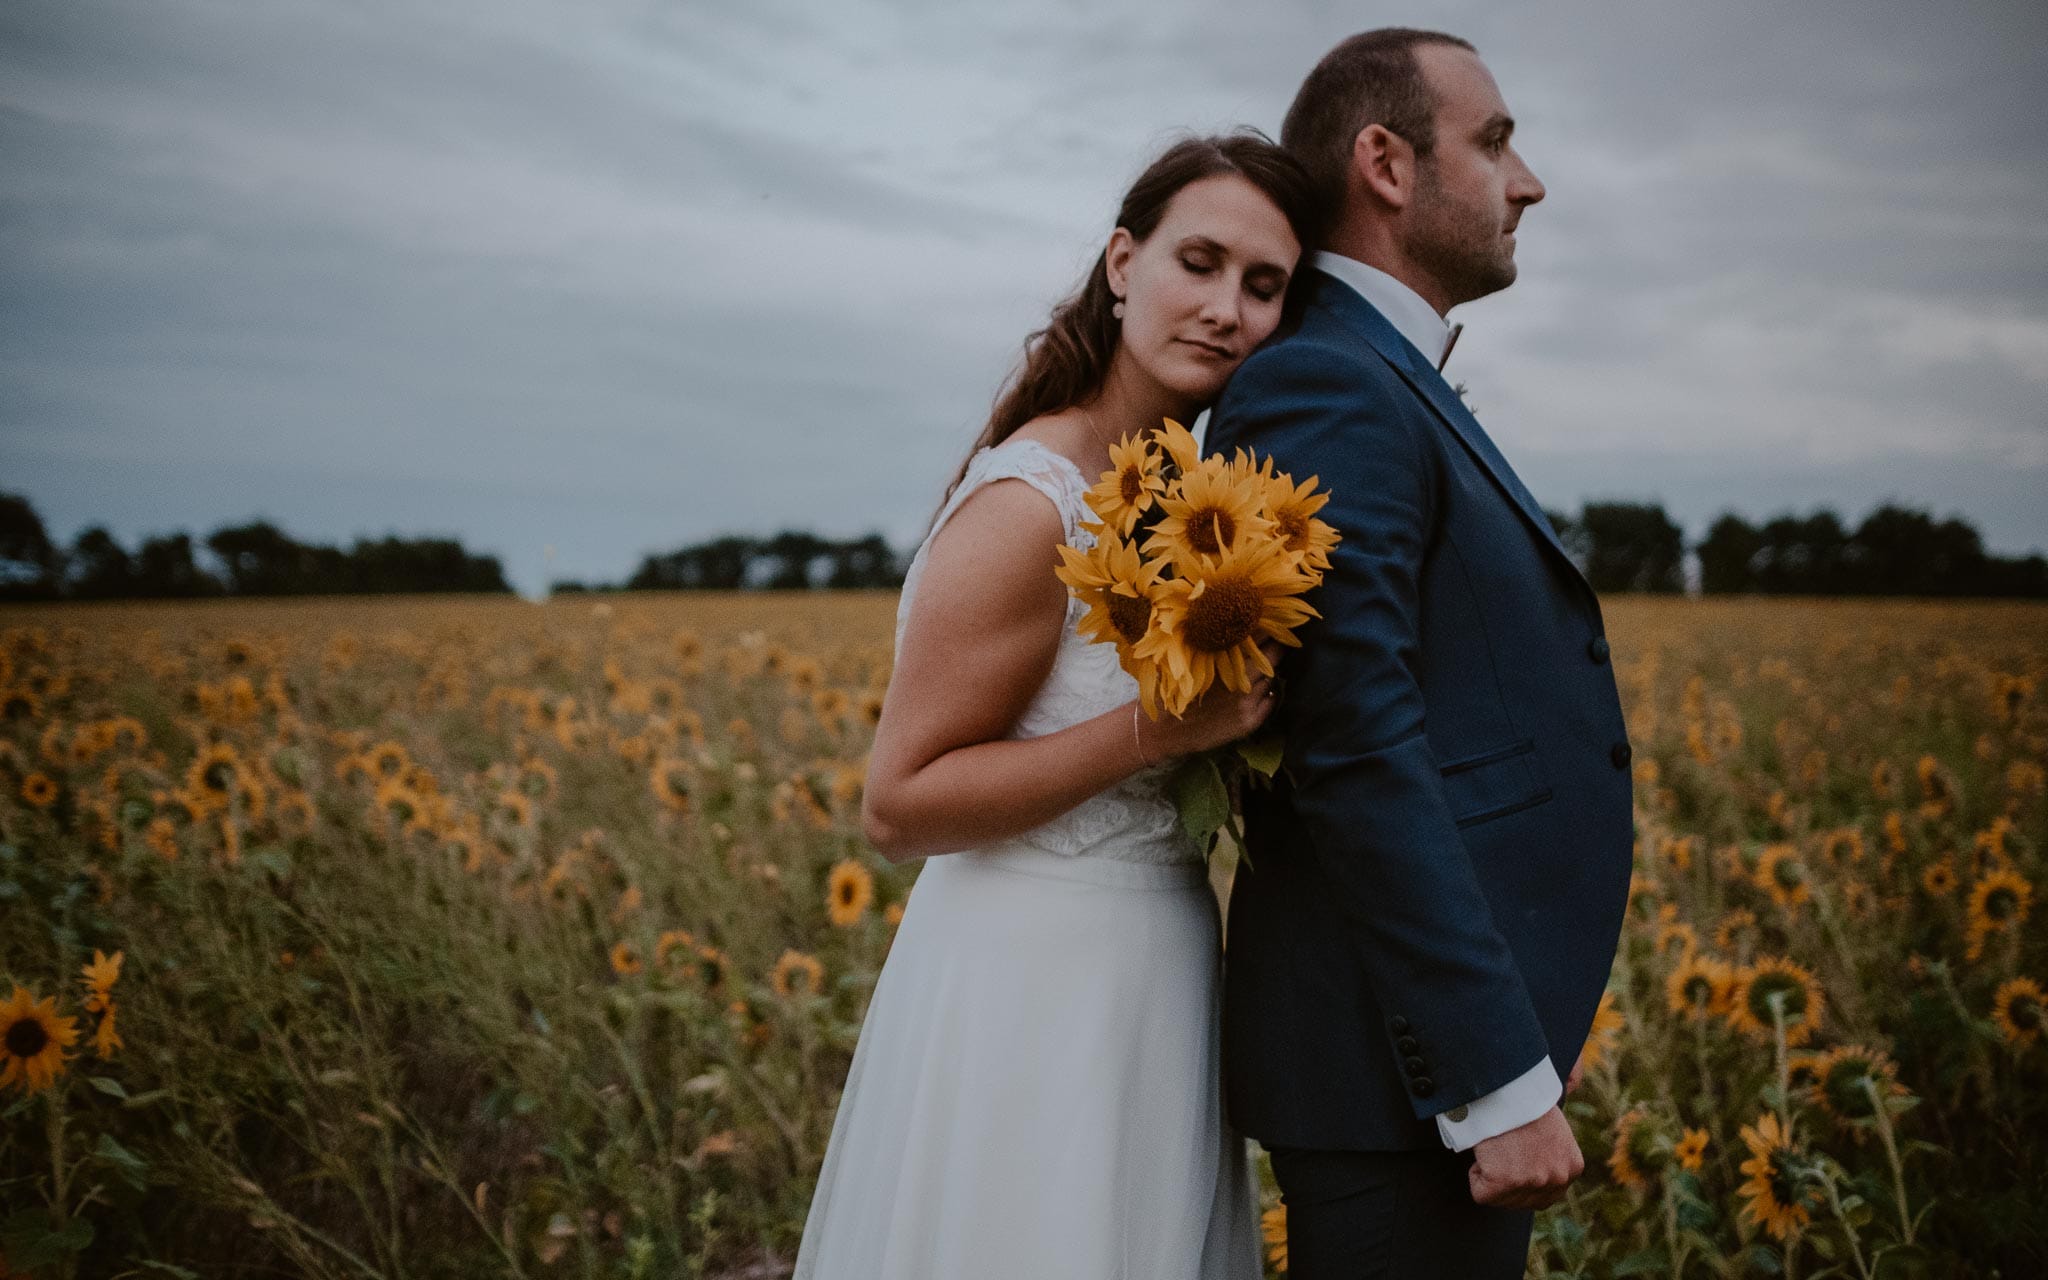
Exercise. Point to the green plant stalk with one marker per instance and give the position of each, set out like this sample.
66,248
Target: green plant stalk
656,1133
436,1167
1848,1229
1673,1242
1891,1155
1777,1003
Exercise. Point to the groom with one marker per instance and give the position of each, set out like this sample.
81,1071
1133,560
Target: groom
1438,876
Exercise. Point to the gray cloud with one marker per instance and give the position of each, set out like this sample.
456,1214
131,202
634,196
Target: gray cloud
614,276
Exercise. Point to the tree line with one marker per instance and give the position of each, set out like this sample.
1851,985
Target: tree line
792,560
1894,551
253,559
1621,546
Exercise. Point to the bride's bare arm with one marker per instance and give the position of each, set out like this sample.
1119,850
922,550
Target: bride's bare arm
983,629
980,639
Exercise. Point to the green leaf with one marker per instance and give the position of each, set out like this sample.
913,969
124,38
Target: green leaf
1650,1262
272,859
1763,1258
1263,754
30,1241
1200,796
108,1085
1568,1232
134,1169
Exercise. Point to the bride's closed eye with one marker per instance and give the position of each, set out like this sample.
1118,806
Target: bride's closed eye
1263,293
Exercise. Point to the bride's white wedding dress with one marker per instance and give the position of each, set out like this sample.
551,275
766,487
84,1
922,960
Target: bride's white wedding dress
1035,1094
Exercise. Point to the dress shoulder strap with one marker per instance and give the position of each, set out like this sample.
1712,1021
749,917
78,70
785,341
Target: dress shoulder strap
1045,469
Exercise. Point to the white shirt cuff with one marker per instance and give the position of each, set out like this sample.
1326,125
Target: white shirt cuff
1514,1104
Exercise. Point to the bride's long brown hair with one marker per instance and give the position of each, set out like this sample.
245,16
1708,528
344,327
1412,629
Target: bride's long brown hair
1065,363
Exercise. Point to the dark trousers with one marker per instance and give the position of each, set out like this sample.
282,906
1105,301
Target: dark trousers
1393,1215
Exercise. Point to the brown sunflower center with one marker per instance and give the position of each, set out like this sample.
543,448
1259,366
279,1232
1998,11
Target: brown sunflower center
1699,989
1211,530
1293,530
2025,1014
1789,873
1844,1085
1643,1150
1783,1189
219,776
847,893
1223,615
1794,998
26,1038
1130,615
2001,903
1131,484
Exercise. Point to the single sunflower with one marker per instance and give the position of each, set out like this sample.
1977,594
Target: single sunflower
33,1037
1211,512
848,892
1211,621
1133,485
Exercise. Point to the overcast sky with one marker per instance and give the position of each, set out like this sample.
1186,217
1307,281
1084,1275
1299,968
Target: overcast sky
618,275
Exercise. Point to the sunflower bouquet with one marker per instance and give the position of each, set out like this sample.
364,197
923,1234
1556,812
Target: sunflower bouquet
1196,560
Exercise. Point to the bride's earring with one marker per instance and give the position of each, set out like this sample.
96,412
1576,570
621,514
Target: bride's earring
1118,309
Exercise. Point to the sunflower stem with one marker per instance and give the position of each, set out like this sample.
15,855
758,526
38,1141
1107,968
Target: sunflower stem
1673,1242
1776,1000
1848,1229
1236,835
1891,1153
55,1113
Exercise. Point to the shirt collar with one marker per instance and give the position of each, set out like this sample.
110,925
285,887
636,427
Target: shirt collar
1412,317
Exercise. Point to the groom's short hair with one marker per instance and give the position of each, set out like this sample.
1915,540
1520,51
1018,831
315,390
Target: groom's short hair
1371,78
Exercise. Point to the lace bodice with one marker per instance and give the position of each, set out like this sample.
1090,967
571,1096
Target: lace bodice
1135,820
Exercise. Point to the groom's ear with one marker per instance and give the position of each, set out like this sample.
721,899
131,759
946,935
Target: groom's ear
1383,166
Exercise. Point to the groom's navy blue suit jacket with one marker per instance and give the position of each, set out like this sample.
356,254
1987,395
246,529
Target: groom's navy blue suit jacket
1439,874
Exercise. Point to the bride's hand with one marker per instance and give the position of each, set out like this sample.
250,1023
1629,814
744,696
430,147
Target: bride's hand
1217,717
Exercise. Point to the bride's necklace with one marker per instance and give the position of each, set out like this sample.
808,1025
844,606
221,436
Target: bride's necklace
1095,428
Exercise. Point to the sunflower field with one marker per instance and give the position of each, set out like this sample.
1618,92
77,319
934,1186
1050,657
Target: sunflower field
465,937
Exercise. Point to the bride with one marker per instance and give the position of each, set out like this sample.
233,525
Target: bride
1035,1093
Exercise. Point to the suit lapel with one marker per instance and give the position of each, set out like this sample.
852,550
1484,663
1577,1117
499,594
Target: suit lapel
1344,302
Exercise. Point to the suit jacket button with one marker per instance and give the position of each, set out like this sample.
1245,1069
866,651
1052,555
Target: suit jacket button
1407,1044
1597,650
1416,1066
1399,1025
1422,1086
1620,755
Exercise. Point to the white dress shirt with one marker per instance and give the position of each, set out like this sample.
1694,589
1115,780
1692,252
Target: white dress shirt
1538,1089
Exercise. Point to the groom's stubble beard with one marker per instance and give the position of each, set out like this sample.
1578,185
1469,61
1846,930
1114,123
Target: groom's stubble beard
1460,245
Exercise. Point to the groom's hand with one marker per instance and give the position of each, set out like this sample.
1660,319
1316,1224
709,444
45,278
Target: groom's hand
1526,1168
1578,1069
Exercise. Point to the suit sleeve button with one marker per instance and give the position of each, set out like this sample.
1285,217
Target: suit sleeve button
1596,649
1422,1086
1415,1066
1399,1025
1407,1044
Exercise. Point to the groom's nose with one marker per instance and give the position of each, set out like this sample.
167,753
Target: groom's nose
1524,187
